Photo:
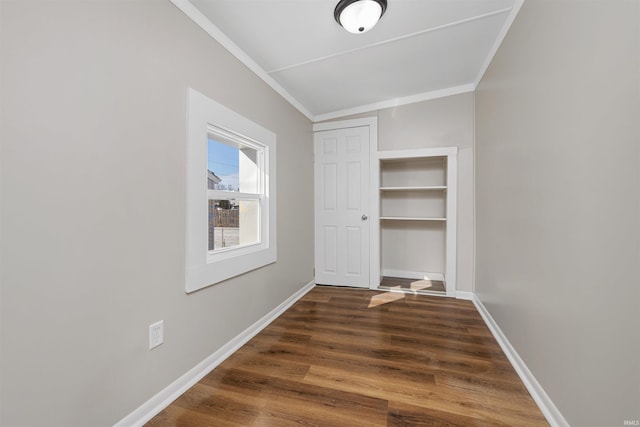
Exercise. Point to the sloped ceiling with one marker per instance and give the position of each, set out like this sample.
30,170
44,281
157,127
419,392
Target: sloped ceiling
420,49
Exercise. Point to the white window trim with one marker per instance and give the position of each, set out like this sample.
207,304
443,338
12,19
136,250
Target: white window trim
205,268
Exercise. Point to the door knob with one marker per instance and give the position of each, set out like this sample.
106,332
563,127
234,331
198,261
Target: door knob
364,217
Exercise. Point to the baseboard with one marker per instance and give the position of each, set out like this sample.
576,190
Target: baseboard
549,410
464,295
157,403
418,275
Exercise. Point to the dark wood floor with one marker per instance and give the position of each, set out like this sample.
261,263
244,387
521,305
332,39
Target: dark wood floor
347,357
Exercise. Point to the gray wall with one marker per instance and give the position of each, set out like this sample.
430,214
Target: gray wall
558,202
93,150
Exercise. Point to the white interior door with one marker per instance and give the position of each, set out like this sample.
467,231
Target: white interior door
342,207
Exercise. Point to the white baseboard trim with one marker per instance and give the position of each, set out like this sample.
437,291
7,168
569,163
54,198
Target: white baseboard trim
464,295
549,410
157,403
418,275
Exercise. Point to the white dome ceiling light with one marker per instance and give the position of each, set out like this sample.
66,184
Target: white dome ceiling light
359,16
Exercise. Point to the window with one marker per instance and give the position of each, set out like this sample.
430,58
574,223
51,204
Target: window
235,190
231,194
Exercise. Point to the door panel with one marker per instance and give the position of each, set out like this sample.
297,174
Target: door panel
330,244
342,201
354,186
353,250
330,186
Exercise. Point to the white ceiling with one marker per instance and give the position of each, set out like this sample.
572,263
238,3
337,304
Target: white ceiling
420,49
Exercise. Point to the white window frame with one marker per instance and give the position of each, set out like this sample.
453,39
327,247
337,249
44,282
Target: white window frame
203,267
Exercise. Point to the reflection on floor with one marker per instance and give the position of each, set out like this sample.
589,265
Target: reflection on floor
412,284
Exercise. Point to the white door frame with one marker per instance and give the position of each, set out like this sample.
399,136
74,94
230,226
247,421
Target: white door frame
374,214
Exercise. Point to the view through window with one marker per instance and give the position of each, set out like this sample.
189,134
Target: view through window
235,191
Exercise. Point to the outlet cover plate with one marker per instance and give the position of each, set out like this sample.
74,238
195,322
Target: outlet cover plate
156,334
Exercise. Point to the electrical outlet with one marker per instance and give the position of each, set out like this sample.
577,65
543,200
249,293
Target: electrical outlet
156,334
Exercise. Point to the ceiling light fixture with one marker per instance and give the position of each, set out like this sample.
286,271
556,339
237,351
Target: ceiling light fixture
359,16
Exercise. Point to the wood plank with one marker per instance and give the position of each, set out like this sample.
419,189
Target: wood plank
403,415
303,400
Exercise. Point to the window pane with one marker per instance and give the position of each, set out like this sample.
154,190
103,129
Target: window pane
233,223
232,166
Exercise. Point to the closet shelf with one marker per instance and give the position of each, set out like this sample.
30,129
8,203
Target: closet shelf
428,188
404,218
